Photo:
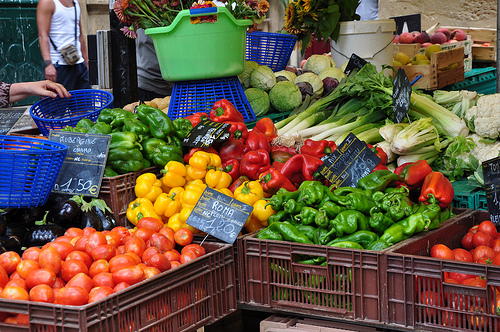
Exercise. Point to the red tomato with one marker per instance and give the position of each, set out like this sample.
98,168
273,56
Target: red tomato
473,229
199,250
15,293
149,252
131,275
50,258
150,223
59,283
22,319
80,255
488,227
483,251
14,275
144,233
467,241
104,251
160,262
73,232
71,268
477,318
16,283
63,238
72,295
9,261
82,280
89,230
80,243
42,293
150,271
431,298
478,282
441,251
161,242
103,279
26,266
120,250
100,292
168,232
188,256
482,239
121,261
4,277
113,239
136,245
183,236
41,277
121,231
64,248
120,286
175,263
462,255
98,266
172,255
94,240
496,245
31,253
496,260
135,257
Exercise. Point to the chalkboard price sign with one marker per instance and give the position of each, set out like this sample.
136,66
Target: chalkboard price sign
83,167
8,118
355,62
401,94
351,161
219,215
207,133
491,174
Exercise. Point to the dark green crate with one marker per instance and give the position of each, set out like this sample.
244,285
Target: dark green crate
481,80
468,196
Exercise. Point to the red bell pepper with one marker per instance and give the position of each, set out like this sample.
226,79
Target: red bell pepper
238,182
254,163
231,167
412,175
278,165
257,141
188,155
272,180
380,153
318,149
233,149
290,150
197,117
238,130
437,185
266,126
301,167
223,110
280,156
380,167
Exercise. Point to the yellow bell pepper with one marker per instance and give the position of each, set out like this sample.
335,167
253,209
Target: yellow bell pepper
200,162
226,192
177,191
249,192
139,208
148,186
252,224
192,194
218,179
215,160
184,213
174,174
174,222
262,211
167,204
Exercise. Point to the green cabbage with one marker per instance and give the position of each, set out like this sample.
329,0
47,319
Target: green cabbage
317,62
259,101
285,96
245,76
286,73
314,80
262,78
333,73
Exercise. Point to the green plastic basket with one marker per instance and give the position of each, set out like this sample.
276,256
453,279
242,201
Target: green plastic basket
188,51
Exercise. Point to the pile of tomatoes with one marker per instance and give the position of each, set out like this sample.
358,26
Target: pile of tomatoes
85,265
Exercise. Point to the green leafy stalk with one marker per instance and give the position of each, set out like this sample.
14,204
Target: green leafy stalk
418,134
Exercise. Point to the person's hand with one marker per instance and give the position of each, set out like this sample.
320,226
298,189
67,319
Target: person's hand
51,73
49,89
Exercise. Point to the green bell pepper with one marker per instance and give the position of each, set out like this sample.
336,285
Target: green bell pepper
278,216
405,228
306,215
160,125
100,128
121,153
84,123
377,180
119,117
135,126
400,207
290,232
173,140
160,153
105,116
377,245
313,194
292,206
307,230
282,195
269,234
182,127
126,166
347,244
124,139
346,222
344,191
358,201
379,221
109,172
363,237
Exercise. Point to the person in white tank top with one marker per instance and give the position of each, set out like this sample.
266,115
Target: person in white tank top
59,24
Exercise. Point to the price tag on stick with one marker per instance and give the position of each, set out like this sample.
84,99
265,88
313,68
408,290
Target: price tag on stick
207,133
355,62
219,215
83,167
401,95
8,118
351,161
491,174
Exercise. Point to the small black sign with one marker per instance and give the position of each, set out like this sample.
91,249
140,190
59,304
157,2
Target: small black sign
207,133
83,167
8,118
219,215
355,62
351,161
491,174
401,94
413,21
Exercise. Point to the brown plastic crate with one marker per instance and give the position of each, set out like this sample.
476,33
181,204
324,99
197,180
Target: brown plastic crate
118,192
195,294
277,323
411,273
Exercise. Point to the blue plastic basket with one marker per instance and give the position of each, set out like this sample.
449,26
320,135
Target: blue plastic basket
57,113
28,169
270,49
189,97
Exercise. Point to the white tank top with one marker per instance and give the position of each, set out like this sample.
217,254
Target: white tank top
62,30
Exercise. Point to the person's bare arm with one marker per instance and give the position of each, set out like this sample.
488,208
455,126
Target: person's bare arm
82,39
19,91
44,12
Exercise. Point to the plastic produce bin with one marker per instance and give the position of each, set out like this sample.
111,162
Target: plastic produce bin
270,49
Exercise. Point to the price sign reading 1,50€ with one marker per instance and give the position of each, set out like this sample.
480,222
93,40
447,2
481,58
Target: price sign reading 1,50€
83,167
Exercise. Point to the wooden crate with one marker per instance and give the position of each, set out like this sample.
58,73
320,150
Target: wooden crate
416,48
481,38
436,75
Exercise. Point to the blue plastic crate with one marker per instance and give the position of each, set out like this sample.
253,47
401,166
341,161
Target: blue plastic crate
57,113
189,97
28,169
481,80
468,196
270,49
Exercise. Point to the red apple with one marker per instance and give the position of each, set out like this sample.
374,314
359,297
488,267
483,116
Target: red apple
406,38
458,34
446,32
438,38
422,37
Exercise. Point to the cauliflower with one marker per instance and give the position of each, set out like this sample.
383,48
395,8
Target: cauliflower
484,151
484,118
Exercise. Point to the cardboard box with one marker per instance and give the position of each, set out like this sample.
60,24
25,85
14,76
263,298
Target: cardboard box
447,67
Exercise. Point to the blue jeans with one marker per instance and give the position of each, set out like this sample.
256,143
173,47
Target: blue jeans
74,77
